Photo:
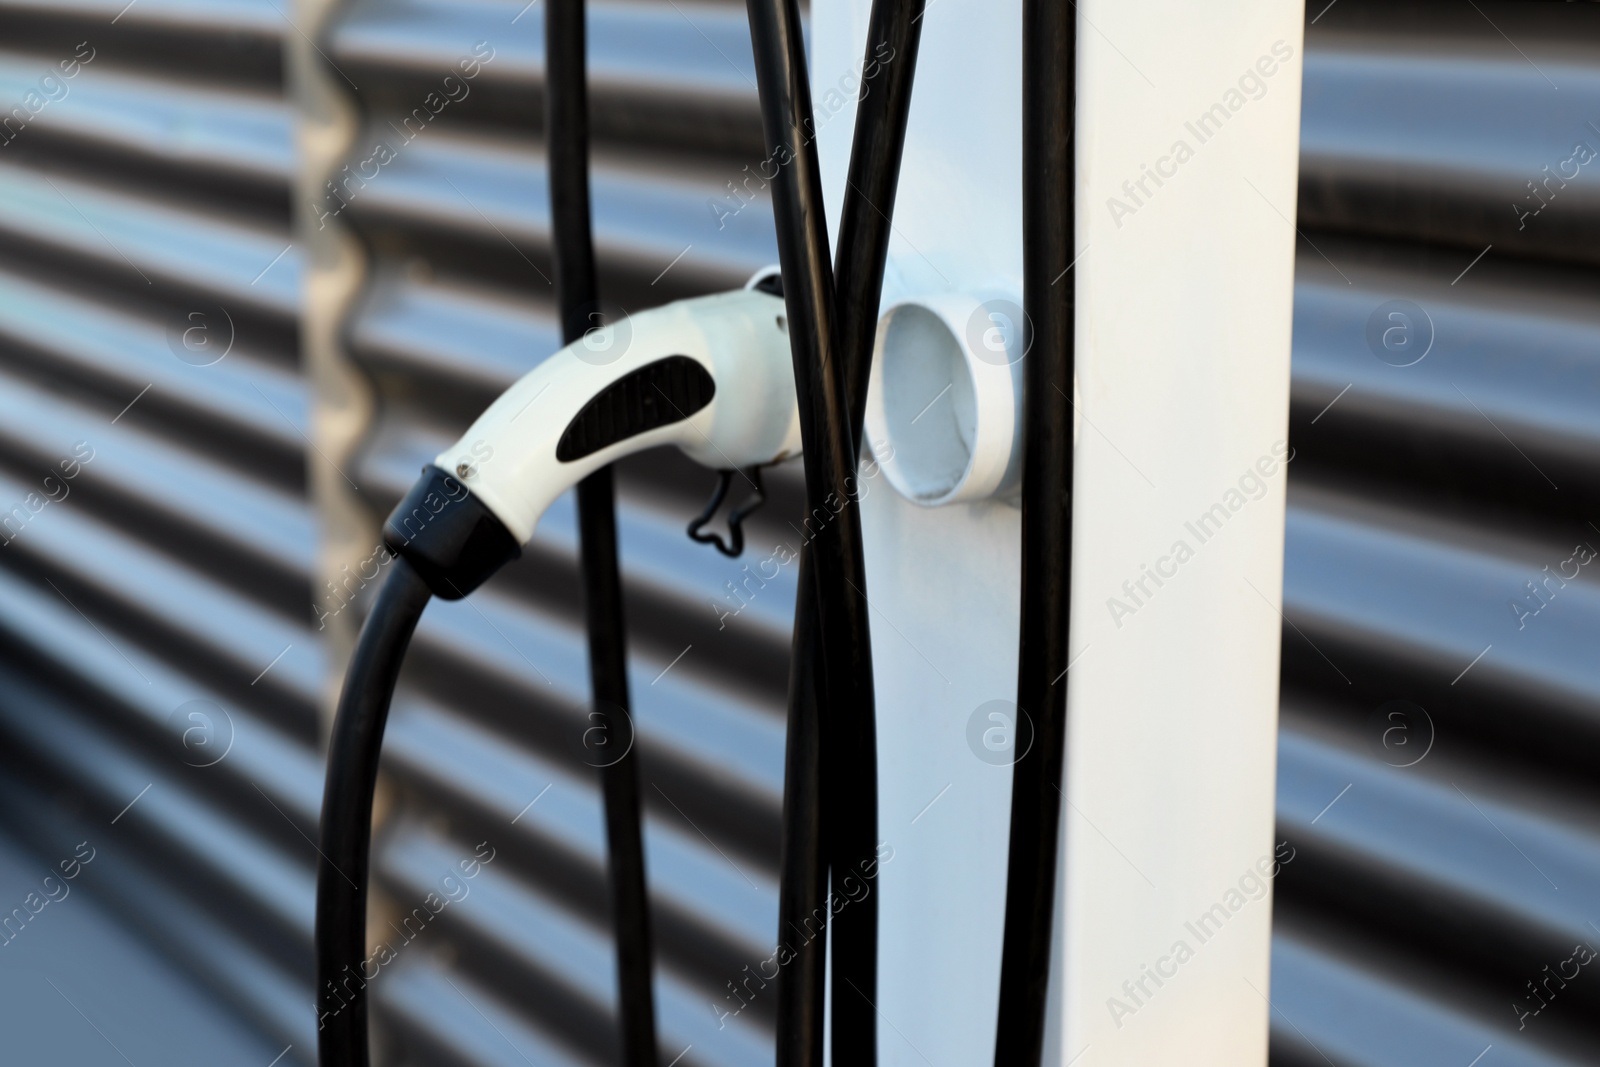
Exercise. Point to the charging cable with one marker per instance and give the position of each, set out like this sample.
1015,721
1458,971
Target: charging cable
1049,76
711,375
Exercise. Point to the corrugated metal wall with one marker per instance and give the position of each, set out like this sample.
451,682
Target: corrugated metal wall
154,185
159,545
1422,502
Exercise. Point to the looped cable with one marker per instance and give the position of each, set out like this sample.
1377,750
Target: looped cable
734,546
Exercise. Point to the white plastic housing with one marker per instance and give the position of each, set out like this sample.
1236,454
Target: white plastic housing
508,457
945,397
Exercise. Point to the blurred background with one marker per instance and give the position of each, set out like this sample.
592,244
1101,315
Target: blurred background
261,260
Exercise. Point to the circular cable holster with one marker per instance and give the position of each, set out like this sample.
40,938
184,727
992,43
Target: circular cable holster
944,401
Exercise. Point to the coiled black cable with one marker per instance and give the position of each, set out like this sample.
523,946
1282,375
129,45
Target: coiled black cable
815,838
567,148
357,741
1049,74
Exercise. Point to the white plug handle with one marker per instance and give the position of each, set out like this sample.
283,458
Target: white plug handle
508,458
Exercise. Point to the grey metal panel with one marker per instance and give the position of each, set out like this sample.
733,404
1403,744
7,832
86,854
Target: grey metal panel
107,983
1371,1016
239,136
177,564
1443,863
1452,401
481,191
671,75
205,16
1429,121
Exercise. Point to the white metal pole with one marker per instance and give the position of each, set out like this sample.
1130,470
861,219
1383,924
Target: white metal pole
1188,119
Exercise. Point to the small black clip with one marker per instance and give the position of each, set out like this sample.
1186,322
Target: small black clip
735,543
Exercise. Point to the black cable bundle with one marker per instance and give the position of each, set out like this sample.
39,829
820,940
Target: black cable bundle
1049,74
567,147
832,725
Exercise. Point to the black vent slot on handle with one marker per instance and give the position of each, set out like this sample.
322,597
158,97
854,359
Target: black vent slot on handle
657,394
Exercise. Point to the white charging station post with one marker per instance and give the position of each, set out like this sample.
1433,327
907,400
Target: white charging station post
1188,121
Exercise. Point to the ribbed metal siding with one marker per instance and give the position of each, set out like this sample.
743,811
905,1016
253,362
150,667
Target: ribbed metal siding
490,715
151,185
1425,898
1422,898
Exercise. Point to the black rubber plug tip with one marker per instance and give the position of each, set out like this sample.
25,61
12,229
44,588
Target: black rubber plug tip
448,535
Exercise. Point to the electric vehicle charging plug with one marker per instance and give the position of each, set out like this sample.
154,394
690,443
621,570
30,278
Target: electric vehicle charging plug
712,375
